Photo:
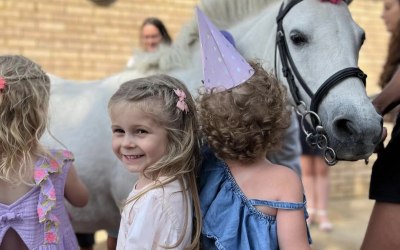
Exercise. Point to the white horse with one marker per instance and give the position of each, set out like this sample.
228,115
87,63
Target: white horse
322,39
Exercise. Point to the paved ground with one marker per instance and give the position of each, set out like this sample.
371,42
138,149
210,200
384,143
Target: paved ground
350,219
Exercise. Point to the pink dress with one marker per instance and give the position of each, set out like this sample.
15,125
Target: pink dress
39,217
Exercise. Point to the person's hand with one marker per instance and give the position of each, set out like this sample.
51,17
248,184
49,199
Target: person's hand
380,145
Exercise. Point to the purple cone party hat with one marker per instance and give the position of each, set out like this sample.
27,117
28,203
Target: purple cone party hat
223,66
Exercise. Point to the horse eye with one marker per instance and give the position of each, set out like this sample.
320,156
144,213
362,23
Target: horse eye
298,38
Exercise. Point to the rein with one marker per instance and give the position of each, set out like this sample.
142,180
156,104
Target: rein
317,137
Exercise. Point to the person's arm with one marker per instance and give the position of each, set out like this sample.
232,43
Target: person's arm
75,191
390,95
291,224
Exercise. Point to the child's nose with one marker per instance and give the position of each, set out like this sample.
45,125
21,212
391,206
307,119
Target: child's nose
128,141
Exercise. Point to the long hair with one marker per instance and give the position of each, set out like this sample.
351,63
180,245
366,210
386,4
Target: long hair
392,59
23,114
155,96
166,38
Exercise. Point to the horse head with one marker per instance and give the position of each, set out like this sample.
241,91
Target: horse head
323,43
335,89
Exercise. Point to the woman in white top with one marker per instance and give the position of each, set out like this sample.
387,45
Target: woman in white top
152,33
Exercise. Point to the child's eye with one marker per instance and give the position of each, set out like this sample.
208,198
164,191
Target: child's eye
141,131
118,131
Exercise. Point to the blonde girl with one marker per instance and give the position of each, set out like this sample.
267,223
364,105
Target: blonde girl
33,180
155,135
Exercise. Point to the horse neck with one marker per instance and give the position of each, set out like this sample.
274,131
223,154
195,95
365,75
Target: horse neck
226,13
255,37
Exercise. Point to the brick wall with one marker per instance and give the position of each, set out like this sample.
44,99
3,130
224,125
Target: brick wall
373,53
77,39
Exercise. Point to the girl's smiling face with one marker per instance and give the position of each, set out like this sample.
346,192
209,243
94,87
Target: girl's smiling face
137,140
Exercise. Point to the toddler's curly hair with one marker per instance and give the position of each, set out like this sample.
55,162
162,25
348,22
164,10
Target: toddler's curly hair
245,122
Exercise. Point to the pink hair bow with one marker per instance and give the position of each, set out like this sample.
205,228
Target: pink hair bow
3,83
181,104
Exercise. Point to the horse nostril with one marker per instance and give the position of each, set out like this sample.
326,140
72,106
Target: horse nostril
344,128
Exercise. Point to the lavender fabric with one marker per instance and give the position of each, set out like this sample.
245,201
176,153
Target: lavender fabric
223,66
22,215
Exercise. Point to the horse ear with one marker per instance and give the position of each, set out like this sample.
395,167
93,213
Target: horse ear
348,1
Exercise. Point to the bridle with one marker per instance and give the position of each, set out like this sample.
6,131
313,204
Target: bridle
317,137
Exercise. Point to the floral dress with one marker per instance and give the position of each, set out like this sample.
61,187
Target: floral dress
39,217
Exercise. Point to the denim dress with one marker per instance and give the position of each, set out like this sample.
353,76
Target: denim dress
230,220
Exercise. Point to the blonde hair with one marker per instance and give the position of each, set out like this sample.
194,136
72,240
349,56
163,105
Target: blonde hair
23,114
155,96
246,121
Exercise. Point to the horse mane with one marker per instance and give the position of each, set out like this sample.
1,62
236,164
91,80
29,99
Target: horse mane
223,13
226,13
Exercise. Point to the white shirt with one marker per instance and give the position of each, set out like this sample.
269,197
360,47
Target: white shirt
131,62
156,219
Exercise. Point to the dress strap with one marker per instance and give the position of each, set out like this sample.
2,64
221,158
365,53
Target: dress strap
44,168
279,204
61,156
